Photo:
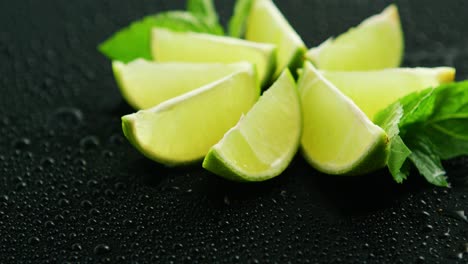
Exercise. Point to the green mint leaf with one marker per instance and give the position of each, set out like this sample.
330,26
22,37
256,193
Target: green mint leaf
426,160
205,10
434,126
239,18
417,108
399,152
397,159
447,127
389,119
449,145
133,41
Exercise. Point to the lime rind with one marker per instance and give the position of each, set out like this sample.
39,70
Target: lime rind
373,159
261,159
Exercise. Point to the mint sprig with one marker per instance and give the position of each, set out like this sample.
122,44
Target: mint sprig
425,128
239,18
206,11
133,41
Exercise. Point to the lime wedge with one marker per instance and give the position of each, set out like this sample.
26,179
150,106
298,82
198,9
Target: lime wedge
183,129
145,84
337,136
198,47
264,141
372,91
377,43
266,24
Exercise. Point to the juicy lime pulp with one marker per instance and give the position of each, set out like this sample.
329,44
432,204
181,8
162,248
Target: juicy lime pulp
372,91
198,47
376,43
183,129
337,136
145,84
264,141
266,24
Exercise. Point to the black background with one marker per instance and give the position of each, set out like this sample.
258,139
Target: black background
73,190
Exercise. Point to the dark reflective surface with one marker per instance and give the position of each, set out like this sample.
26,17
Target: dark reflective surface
73,190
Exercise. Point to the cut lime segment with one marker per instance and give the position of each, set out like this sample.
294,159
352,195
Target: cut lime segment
337,136
264,142
197,47
145,84
376,43
183,129
372,91
266,24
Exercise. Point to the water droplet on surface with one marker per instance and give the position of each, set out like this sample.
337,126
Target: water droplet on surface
428,228
89,142
101,249
21,143
226,200
66,117
34,240
45,162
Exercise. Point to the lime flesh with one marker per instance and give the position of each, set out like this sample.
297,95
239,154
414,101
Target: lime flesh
145,84
337,136
198,47
183,129
376,43
264,141
372,91
266,24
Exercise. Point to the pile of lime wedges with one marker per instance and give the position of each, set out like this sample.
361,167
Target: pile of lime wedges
200,98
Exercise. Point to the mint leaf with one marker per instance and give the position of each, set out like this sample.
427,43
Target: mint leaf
399,152
133,41
426,160
449,145
205,10
239,18
445,120
397,159
389,119
434,127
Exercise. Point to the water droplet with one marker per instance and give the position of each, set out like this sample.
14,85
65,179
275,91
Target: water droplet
21,143
428,228
101,249
45,162
89,142
34,240
66,117
86,204
226,200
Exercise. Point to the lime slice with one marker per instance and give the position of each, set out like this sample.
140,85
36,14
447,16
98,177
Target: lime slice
183,129
264,142
266,24
198,47
377,43
372,91
337,136
145,84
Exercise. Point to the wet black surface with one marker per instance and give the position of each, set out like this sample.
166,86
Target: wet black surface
72,190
